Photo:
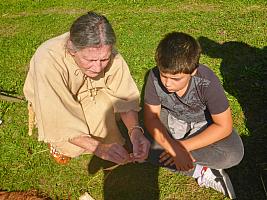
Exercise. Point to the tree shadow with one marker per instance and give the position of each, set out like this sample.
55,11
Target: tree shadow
244,72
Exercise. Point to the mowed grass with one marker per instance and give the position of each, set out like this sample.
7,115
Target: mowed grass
233,37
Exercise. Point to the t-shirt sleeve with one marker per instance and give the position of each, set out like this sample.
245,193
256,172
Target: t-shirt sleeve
216,99
150,95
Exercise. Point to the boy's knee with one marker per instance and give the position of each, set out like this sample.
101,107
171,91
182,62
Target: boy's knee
236,158
231,160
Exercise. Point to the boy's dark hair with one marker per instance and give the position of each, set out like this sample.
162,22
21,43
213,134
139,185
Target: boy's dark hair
177,53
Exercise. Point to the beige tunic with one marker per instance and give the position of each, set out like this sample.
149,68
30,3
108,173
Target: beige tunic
68,104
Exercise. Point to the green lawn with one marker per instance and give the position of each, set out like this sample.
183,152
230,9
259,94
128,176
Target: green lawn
233,35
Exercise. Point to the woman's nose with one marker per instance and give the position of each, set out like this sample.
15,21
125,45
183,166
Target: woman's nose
97,66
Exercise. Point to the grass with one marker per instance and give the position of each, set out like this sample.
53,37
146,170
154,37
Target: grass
233,37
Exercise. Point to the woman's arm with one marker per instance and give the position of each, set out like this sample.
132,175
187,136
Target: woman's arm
113,152
140,143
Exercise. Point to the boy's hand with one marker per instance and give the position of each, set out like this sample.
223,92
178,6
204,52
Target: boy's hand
183,160
166,159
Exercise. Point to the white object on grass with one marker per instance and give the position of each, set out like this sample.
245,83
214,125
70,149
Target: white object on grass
86,196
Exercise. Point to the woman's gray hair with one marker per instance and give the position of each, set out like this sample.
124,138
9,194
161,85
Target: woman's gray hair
91,30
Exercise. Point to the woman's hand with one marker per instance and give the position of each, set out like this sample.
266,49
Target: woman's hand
113,152
140,145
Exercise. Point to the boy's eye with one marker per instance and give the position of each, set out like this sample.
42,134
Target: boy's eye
176,79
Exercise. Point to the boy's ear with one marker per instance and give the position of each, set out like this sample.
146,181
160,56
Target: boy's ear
194,72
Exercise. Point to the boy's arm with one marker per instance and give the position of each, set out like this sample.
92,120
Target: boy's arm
220,128
156,128
182,158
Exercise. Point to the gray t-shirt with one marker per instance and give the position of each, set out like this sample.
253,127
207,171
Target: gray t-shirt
203,97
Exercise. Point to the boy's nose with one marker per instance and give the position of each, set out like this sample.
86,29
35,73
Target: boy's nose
167,82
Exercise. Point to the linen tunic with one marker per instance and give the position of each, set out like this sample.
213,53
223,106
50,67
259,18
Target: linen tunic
68,104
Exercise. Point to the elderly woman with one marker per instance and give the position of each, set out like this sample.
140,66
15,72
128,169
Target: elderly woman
75,85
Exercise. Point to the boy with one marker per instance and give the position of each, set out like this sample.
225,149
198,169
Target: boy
188,115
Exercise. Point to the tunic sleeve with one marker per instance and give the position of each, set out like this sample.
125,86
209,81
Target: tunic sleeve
121,87
59,116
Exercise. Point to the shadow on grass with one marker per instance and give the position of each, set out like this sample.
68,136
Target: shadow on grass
131,181
244,72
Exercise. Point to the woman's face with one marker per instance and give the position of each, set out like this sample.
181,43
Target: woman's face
93,60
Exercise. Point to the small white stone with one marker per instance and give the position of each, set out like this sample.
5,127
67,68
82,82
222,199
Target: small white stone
86,196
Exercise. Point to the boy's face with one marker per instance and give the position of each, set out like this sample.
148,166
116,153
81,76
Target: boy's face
175,83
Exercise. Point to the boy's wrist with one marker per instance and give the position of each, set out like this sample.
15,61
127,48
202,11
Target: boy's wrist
185,144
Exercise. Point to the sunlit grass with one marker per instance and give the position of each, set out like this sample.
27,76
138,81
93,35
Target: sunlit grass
139,25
